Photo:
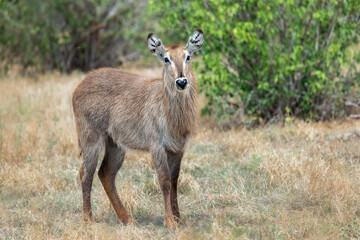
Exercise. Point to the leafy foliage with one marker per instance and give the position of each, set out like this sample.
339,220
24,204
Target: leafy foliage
67,34
271,58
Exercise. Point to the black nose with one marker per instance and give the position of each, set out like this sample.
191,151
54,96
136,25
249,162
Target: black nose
181,83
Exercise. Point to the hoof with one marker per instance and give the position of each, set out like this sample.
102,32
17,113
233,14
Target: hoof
126,221
170,223
179,221
87,220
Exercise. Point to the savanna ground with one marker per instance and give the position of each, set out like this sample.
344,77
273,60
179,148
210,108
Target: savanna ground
298,181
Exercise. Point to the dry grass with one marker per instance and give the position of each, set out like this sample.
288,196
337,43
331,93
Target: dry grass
300,181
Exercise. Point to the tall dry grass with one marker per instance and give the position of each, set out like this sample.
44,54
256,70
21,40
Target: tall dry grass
300,181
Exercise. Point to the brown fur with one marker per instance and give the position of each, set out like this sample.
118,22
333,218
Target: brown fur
126,111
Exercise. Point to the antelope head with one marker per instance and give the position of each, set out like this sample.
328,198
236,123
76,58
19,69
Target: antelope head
176,58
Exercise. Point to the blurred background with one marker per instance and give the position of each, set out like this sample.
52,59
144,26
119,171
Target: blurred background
262,61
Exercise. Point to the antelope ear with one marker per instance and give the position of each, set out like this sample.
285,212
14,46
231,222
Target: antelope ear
155,46
196,41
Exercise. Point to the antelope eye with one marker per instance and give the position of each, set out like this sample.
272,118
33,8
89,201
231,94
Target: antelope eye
167,60
188,58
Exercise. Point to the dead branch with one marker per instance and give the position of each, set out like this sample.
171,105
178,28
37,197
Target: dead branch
352,103
353,116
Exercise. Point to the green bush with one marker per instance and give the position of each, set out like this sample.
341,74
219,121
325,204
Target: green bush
70,34
273,59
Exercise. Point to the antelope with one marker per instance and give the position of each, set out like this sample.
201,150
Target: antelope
120,111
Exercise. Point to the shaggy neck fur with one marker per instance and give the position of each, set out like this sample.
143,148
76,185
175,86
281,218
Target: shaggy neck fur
180,109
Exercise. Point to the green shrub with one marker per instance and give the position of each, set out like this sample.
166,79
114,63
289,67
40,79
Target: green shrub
271,58
68,34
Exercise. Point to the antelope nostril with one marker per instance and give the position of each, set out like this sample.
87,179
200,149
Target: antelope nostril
182,82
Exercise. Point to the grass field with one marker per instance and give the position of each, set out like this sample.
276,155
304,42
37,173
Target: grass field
298,181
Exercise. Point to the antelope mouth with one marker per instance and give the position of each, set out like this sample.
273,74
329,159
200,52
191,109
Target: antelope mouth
180,89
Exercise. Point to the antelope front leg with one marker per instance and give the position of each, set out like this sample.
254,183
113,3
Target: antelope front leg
174,161
162,169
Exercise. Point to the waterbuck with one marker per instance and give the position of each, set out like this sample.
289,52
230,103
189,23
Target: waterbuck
121,111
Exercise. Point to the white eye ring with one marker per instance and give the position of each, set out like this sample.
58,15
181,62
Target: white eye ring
187,58
167,60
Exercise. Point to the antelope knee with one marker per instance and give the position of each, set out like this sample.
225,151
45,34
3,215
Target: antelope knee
165,185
